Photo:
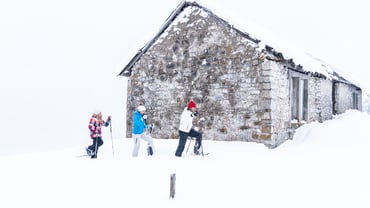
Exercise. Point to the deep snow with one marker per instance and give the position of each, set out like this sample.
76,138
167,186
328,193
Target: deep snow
58,64
325,165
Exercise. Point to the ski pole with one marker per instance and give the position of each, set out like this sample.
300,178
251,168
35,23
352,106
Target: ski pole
187,149
201,146
111,135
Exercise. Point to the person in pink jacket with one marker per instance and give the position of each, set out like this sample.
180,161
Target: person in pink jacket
95,126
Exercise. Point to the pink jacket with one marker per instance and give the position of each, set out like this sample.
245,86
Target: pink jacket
95,126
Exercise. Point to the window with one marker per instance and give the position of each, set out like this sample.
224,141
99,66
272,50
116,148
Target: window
299,99
355,101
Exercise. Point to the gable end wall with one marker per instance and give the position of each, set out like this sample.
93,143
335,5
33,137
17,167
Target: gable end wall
206,60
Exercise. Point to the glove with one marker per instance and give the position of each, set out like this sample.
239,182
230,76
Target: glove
195,113
145,117
150,127
196,129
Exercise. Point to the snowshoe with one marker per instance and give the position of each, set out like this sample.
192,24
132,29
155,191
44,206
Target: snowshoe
89,152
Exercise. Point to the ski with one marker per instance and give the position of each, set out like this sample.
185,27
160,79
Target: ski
204,154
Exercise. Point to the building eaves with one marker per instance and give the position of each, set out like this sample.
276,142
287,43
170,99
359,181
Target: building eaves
276,55
127,70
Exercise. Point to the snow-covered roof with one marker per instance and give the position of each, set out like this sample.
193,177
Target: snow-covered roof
293,57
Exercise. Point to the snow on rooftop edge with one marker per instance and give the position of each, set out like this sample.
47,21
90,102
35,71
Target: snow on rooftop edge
299,57
242,22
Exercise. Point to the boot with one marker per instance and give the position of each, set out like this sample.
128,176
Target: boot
150,151
197,151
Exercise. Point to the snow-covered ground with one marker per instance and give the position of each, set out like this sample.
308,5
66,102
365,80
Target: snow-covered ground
53,52
325,165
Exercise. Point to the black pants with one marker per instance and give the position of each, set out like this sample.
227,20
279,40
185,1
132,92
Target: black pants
97,142
182,141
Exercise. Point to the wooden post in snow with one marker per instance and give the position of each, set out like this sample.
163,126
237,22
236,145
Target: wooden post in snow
172,185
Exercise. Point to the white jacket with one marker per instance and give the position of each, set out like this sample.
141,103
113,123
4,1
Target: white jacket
186,120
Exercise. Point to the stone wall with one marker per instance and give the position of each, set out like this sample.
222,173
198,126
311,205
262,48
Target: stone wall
325,110
206,60
242,92
320,99
280,104
344,97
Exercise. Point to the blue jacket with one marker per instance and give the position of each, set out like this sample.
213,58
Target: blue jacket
138,123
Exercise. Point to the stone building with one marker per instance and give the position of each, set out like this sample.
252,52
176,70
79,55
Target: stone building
245,90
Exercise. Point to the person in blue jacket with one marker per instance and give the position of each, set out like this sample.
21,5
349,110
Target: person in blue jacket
138,131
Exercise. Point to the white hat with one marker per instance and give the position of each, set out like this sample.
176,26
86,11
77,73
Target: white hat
141,108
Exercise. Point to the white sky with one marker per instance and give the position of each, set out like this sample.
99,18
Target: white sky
59,59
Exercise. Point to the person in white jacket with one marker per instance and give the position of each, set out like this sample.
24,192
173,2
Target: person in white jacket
186,129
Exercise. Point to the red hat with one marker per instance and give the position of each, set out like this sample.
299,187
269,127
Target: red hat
192,104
